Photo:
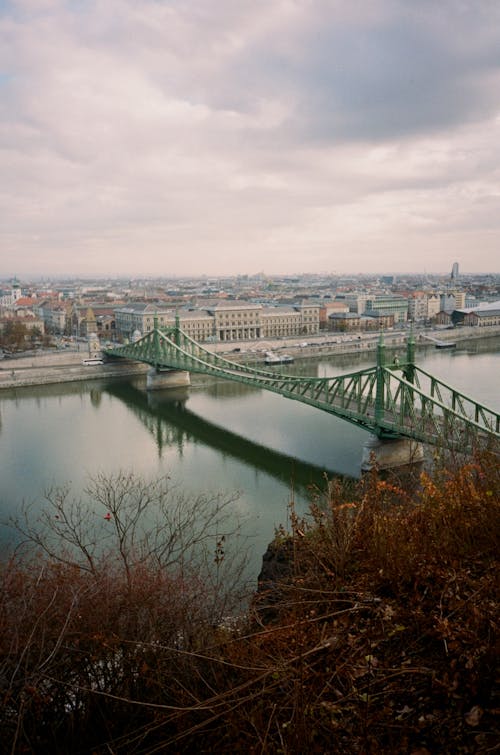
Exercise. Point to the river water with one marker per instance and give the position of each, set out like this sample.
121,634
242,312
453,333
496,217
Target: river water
216,436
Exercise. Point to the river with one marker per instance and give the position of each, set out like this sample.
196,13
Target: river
216,436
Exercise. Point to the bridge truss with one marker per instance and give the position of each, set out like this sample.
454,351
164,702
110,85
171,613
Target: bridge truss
389,400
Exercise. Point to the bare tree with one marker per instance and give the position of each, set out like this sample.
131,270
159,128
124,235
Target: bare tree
125,523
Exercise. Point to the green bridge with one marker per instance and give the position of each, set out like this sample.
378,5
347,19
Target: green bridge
396,400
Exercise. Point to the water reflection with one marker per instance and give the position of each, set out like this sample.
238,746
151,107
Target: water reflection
171,423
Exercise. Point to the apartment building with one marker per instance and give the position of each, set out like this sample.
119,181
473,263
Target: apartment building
54,315
417,306
433,305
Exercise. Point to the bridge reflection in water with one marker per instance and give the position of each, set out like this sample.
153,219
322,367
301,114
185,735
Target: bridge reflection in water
171,424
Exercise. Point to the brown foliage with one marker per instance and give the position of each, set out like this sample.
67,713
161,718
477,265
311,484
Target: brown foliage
383,640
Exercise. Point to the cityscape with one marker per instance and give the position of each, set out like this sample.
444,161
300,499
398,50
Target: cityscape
243,307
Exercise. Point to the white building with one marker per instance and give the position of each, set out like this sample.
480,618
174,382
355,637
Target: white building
228,321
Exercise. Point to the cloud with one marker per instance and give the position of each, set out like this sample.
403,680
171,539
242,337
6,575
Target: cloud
184,137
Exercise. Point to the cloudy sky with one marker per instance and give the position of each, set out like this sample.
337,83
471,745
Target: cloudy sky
175,137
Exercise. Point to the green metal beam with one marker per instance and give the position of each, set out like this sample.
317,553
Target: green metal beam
396,400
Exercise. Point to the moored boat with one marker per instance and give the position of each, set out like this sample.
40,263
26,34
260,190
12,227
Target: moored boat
272,358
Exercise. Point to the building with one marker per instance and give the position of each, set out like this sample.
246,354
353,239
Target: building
198,324
355,301
330,308
374,320
423,306
481,316
417,306
345,321
389,304
442,318
459,297
279,322
448,303
309,311
8,297
237,322
225,321
54,315
433,305
94,317
138,317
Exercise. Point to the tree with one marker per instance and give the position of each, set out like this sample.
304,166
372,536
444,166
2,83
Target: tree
126,523
14,334
110,597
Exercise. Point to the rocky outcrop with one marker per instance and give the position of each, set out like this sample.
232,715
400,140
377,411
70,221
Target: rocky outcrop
274,576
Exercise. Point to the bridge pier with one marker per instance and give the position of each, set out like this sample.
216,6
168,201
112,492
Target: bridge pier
160,379
389,453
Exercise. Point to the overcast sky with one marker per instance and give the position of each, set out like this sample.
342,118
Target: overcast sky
176,137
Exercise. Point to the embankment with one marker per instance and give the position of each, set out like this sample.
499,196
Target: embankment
61,368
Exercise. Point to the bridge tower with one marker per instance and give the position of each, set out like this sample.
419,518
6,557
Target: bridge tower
380,385
159,377
379,450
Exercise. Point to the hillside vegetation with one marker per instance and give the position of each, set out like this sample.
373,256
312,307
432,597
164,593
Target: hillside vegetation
379,637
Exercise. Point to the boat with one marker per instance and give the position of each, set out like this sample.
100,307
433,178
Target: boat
272,358
445,344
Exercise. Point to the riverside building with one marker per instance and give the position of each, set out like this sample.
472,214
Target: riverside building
228,321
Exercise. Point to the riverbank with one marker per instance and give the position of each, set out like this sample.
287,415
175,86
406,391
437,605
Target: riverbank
62,367
52,368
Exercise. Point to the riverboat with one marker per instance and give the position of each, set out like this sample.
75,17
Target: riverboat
445,345
272,358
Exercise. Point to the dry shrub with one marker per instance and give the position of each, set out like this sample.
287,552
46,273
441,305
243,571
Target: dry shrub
389,617
382,640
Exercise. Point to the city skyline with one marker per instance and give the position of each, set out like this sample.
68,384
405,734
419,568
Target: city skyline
165,138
